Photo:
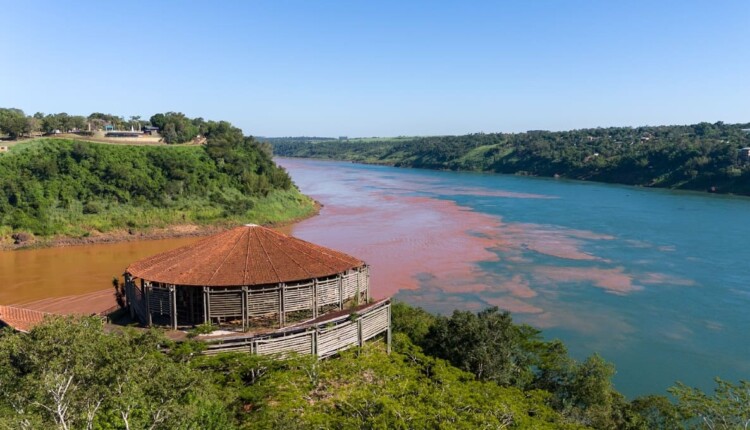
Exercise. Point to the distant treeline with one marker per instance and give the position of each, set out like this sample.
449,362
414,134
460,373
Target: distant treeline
464,371
174,127
703,156
58,186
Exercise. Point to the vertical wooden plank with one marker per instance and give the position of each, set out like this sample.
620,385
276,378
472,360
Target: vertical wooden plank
315,298
130,294
206,318
208,304
173,307
388,333
245,321
356,301
360,342
281,304
341,291
147,291
367,284
315,342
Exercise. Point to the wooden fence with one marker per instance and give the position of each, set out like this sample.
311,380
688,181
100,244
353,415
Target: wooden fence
322,339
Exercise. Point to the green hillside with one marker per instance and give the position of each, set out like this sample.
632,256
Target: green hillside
702,157
65,187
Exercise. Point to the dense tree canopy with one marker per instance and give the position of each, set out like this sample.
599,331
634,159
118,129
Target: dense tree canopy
698,157
175,127
71,373
63,186
13,122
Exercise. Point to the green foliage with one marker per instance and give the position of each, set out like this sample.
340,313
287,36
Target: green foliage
200,329
728,408
697,157
486,344
657,413
69,373
69,187
13,122
412,321
494,349
175,127
372,389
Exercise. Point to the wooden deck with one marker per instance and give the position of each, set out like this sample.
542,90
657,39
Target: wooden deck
24,316
322,337
97,303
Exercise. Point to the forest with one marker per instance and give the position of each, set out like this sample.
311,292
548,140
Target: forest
76,188
701,157
466,370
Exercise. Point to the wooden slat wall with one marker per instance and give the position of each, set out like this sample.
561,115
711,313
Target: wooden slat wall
159,301
225,304
328,292
218,348
364,283
350,285
136,301
263,302
300,343
337,338
298,297
374,323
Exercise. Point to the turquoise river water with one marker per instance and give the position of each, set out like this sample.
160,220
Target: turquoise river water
655,281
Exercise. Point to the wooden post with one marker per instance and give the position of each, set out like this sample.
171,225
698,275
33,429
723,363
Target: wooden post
367,284
315,342
206,309
359,332
281,304
341,291
173,299
130,294
147,293
388,333
245,318
315,298
208,304
356,300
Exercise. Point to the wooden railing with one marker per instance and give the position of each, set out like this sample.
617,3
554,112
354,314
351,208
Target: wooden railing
323,339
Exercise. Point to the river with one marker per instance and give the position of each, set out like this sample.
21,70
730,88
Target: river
655,281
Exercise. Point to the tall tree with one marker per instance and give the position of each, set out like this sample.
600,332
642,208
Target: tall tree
13,122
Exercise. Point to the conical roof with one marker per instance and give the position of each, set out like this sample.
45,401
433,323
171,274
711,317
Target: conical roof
247,255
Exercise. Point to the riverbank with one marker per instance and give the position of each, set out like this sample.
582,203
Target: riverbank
175,231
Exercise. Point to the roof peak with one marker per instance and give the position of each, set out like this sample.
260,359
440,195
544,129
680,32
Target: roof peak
245,255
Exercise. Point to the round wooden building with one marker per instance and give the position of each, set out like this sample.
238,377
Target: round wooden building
249,277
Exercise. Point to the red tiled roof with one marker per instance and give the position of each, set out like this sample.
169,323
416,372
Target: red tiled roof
247,255
20,319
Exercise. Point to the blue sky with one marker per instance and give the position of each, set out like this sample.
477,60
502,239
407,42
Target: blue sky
383,68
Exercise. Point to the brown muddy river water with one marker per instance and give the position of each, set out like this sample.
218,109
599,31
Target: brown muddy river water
31,275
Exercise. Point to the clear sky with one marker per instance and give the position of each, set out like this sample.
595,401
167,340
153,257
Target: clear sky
382,68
